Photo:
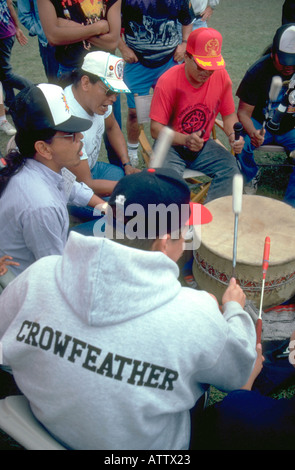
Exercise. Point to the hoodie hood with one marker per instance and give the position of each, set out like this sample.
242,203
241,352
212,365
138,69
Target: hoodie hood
106,283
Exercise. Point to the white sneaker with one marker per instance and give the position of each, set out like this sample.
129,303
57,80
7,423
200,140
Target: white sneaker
252,186
6,127
134,160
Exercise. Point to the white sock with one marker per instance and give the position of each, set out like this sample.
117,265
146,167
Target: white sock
3,118
132,153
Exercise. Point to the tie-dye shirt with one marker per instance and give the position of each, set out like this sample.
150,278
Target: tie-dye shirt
83,12
7,27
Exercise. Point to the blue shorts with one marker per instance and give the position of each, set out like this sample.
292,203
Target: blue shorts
141,79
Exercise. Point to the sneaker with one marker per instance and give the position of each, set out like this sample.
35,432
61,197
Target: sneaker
132,154
6,127
252,186
134,160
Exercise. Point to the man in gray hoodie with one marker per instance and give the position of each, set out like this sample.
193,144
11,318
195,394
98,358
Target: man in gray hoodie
108,347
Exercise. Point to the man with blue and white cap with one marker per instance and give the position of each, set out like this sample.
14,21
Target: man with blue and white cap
91,95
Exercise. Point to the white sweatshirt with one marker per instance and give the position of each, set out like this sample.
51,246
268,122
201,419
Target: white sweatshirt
112,352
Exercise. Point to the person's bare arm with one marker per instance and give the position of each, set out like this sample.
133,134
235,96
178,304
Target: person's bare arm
59,33
245,112
256,370
101,188
110,41
127,53
22,39
97,202
181,48
192,141
118,143
207,13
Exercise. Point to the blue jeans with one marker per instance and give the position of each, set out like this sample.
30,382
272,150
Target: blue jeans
51,66
9,79
213,160
101,171
248,166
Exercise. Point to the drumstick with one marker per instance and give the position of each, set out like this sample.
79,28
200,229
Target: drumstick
237,207
275,87
265,262
161,148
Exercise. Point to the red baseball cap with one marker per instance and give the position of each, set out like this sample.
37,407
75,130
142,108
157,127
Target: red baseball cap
204,44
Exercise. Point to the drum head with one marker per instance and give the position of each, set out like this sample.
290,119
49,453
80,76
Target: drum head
260,217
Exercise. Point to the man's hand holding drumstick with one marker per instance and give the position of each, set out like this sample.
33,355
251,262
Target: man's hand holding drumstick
194,141
234,293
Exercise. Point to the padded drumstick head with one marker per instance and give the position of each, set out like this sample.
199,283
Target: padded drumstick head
275,87
237,193
162,146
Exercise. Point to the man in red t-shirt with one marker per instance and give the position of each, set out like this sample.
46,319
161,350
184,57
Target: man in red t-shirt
188,97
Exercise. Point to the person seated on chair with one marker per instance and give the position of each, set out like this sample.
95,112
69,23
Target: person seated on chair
35,186
188,98
253,93
91,94
138,356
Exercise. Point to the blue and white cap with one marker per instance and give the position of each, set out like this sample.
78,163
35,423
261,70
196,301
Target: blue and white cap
108,67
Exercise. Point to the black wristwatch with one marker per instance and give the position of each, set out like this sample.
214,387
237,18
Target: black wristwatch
125,164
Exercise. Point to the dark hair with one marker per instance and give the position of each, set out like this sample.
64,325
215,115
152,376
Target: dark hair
74,77
16,158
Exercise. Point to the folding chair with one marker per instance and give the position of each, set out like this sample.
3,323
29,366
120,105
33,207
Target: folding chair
143,104
18,422
271,149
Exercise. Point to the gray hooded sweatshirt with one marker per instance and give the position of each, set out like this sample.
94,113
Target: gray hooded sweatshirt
112,351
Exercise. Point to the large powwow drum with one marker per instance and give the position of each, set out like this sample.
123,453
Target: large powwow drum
259,217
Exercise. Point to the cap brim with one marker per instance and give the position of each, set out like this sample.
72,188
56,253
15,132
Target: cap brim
74,124
210,63
199,214
118,86
285,58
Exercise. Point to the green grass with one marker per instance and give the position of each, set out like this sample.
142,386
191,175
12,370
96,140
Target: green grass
248,27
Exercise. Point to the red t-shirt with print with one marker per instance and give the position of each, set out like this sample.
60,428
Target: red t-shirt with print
176,103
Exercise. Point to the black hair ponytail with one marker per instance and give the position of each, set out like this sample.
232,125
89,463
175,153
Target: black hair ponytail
14,161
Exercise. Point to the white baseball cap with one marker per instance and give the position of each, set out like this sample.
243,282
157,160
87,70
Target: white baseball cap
44,106
284,44
108,67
